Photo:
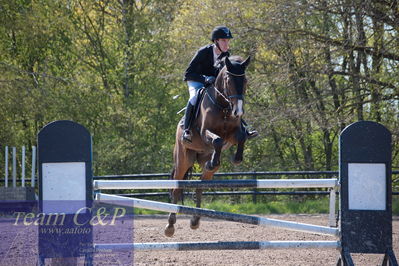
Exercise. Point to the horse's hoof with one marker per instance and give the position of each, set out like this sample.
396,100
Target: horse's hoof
236,161
194,224
169,230
209,166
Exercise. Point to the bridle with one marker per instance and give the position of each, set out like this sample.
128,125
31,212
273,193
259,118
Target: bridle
226,98
229,103
234,74
238,96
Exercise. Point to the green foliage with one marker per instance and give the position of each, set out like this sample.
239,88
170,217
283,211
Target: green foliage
116,67
273,205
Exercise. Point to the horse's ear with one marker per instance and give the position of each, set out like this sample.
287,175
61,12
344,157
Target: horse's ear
246,62
228,63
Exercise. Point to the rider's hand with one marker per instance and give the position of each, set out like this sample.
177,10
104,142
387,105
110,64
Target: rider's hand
223,54
209,80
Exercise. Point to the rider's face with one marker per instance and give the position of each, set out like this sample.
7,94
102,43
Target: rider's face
223,44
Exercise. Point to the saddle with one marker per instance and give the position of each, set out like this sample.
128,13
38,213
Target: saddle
200,97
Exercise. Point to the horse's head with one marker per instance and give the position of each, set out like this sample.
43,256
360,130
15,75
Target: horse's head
232,82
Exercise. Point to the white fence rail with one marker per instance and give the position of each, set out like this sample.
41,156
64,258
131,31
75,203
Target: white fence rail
18,168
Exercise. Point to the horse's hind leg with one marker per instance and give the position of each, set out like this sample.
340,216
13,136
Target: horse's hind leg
182,163
175,196
206,175
194,222
170,228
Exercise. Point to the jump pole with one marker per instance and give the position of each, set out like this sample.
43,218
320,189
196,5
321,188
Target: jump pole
219,245
174,208
187,184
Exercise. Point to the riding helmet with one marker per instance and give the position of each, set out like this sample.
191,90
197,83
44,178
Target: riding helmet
221,32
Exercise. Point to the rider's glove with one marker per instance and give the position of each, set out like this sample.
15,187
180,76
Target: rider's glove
209,80
223,54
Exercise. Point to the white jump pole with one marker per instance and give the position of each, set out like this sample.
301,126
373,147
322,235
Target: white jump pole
218,245
174,208
173,184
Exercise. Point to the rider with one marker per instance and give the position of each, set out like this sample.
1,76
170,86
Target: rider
202,71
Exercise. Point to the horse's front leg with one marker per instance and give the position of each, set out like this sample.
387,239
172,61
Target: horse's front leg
239,155
217,143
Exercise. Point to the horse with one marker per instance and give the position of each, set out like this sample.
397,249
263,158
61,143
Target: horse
217,127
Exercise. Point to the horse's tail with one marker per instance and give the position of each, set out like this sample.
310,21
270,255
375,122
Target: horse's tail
189,174
172,173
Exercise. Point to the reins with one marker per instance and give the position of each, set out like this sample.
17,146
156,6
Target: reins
225,110
228,108
223,96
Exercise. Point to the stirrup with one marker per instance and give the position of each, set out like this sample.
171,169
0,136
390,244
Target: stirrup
252,134
186,137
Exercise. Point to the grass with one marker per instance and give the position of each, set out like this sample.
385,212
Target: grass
395,205
278,205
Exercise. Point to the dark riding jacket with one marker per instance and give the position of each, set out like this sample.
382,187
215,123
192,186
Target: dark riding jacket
202,65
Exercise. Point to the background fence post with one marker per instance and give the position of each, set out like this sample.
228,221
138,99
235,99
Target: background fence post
255,190
6,167
23,167
14,167
33,173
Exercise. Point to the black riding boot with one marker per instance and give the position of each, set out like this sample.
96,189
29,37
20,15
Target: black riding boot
188,117
250,134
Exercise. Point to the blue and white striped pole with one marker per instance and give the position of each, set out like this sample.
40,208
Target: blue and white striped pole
174,208
218,245
185,184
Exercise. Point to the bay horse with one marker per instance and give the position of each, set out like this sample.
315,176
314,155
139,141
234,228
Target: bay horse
216,128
